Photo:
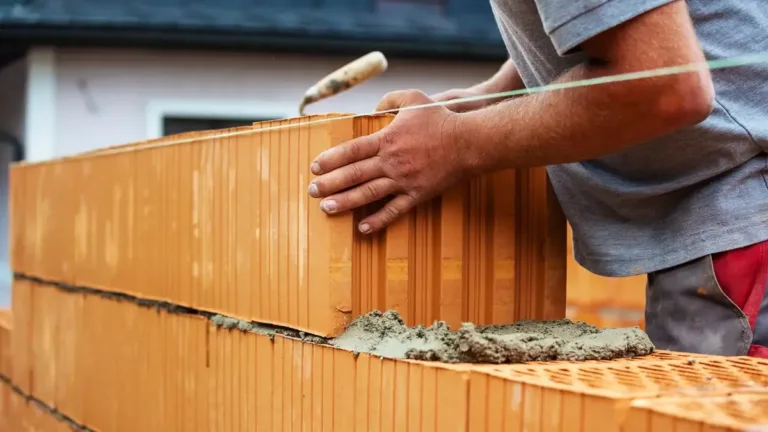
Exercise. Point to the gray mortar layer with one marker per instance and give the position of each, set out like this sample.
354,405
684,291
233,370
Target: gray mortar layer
230,323
386,335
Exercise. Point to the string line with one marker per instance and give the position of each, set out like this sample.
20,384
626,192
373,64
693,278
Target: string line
730,62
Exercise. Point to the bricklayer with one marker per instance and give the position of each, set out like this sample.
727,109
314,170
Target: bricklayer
225,225
113,365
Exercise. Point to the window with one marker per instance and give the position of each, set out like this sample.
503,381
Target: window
169,117
175,124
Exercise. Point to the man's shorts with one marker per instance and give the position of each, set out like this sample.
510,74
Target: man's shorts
716,304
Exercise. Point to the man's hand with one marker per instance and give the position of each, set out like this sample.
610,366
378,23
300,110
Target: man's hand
505,79
459,107
413,159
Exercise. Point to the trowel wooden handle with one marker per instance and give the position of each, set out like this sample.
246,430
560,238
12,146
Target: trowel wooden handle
350,75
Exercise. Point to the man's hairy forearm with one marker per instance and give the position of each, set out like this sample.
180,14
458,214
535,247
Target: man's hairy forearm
581,123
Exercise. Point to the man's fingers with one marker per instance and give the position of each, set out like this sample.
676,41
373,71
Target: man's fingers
361,195
346,177
402,98
388,214
446,95
392,100
346,153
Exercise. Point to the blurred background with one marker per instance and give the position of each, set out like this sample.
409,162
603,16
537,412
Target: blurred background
76,75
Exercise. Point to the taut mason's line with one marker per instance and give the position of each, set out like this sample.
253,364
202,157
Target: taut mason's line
730,62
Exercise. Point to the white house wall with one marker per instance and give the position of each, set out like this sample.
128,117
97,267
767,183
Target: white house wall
13,80
111,96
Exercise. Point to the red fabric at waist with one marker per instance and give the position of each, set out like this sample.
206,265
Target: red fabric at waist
742,274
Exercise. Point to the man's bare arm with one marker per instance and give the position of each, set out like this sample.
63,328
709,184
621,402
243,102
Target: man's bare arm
505,79
588,122
423,152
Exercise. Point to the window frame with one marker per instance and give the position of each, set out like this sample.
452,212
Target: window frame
157,110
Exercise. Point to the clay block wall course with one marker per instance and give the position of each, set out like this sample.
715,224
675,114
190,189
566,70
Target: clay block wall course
224,224
734,413
180,372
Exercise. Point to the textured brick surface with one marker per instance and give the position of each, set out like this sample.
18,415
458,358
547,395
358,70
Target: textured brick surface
6,325
21,337
592,397
125,367
735,413
19,415
225,224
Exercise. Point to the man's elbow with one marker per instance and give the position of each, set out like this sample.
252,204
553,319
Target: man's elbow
687,100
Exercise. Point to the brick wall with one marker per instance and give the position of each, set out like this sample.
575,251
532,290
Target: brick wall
123,366
122,257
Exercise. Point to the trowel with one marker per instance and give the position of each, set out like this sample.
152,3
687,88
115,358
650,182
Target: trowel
344,78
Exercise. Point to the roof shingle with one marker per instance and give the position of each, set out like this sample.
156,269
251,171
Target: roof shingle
465,28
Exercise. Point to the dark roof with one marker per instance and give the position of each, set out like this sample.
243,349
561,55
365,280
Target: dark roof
463,28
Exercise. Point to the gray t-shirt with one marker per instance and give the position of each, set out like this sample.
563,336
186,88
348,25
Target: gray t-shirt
661,203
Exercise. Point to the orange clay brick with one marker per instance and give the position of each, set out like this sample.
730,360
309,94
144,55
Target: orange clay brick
18,414
6,326
6,414
588,289
21,346
605,315
603,301
656,356
596,397
223,223
44,345
741,412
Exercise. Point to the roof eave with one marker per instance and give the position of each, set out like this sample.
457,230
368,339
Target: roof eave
242,40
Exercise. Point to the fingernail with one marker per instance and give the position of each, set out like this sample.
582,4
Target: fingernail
315,168
364,228
313,192
329,206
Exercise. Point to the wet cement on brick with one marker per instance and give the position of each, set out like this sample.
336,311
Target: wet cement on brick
229,323
386,335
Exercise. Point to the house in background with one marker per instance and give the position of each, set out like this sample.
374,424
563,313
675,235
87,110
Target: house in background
81,74
76,75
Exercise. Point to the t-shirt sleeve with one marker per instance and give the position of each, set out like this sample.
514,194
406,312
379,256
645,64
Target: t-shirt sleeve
571,22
